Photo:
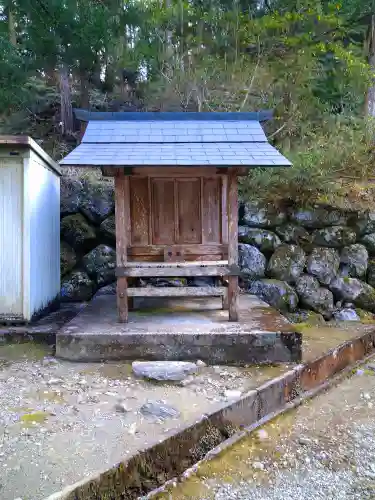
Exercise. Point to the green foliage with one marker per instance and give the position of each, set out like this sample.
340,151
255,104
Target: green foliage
341,148
306,59
13,76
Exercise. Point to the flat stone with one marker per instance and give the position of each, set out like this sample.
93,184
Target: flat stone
55,381
251,261
365,223
70,195
77,286
100,264
68,258
164,370
346,314
232,394
369,242
352,289
159,409
293,233
108,227
354,259
334,237
97,200
258,466
304,441
318,216
44,327
323,263
256,214
313,296
276,293
180,329
201,363
265,240
78,232
287,263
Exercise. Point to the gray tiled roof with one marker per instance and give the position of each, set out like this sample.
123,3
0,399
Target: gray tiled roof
173,132
179,142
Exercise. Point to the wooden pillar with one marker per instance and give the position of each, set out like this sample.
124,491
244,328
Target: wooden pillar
232,203
224,301
122,236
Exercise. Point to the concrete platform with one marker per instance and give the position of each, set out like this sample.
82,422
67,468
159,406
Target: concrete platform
180,329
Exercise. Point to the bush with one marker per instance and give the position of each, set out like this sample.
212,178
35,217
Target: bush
340,149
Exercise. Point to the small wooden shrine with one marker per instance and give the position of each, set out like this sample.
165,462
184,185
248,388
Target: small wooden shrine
176,190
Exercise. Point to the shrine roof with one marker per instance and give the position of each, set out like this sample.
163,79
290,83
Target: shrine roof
179,139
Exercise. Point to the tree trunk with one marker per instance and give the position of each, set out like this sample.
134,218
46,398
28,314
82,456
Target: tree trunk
66,102
84,90
52,76
96,74
370,97
11,25
169,46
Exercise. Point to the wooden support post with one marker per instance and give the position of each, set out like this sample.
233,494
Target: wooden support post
122,235
232,203
224,301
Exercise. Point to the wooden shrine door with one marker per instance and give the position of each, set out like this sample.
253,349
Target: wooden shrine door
183,213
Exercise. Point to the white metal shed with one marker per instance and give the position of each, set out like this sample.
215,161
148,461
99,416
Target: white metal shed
29,230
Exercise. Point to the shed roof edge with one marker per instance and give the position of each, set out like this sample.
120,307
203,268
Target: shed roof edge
27,141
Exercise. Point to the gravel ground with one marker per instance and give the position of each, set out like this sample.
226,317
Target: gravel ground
61,421
323,450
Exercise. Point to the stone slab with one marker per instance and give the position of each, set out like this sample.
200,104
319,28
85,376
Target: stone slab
175,329
43,329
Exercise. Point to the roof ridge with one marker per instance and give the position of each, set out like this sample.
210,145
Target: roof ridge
85,115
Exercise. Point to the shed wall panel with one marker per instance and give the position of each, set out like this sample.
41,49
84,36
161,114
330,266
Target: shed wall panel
11,230
42,213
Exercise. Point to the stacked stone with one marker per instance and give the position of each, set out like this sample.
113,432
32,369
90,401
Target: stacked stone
88,256
315,259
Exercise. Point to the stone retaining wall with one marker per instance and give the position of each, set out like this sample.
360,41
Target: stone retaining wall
307,262
317,259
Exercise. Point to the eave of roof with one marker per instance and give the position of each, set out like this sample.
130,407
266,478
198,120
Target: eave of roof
197,154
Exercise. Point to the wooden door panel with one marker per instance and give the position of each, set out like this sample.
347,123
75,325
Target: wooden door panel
189,222
177,211
163,211
139,210
211,210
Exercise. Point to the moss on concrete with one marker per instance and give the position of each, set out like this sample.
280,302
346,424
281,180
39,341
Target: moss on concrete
36,417
31,351
365,316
